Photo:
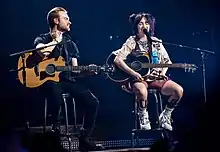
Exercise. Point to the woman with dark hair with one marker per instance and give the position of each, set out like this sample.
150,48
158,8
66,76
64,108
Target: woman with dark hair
143,42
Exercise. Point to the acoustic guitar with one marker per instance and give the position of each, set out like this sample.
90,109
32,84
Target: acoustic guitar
36,74
141,64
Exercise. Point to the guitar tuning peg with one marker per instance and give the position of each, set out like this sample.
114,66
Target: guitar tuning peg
194,70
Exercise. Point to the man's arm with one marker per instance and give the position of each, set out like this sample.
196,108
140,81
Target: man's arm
39,42
82,73
47,50
74,54
74,62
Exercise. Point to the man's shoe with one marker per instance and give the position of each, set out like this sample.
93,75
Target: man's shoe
86,145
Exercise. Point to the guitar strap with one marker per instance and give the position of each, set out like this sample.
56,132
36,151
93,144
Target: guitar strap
153,57
150,50
137,46
66,53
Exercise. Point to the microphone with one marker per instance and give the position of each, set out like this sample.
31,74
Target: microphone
147,34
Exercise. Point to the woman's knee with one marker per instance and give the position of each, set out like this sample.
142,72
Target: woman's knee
173,89
141,91
178,92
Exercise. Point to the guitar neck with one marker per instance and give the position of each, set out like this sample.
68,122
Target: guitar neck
77,68
174,65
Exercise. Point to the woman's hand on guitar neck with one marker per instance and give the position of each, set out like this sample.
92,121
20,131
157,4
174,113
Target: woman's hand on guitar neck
137,76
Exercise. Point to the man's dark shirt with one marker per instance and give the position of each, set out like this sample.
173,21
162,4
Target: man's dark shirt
67,50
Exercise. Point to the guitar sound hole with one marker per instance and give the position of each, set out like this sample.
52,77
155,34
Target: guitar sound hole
136,65
50,69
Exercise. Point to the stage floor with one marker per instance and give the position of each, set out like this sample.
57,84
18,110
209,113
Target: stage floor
117,145
122,150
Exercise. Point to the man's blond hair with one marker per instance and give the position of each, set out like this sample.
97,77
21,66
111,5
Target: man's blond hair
54,13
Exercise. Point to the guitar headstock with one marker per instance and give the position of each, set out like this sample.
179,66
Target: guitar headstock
190,67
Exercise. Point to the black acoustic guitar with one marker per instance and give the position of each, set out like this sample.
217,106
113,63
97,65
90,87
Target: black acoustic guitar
142,65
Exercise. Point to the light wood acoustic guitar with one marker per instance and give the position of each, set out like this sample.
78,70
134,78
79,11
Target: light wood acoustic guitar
38,72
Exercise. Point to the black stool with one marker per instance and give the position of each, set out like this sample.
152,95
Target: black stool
159,109
64,97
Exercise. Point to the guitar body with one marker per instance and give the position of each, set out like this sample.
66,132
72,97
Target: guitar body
36,75
133,62
141,64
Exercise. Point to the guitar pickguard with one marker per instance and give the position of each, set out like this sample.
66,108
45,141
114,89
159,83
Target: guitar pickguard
44,75
35,70
120,76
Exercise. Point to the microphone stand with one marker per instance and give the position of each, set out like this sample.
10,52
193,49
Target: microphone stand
202,52
37,49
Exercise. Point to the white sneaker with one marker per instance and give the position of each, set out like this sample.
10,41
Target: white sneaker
144,120
165,121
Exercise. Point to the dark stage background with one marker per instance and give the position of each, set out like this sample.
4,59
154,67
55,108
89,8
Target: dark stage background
98,28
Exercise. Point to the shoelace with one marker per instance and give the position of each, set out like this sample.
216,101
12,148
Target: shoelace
167,119
144,119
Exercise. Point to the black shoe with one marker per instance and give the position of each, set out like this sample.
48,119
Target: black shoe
86,145
55,128
100,147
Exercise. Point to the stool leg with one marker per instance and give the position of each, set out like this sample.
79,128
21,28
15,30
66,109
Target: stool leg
45,115
157,110
67,122
59,117
136,114
74,114
161,102
66,115
133,134
163,132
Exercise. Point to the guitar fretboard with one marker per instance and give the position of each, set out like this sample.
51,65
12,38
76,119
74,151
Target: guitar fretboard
174,65
77,68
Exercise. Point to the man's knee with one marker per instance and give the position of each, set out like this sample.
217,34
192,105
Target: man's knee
90,98
95,100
